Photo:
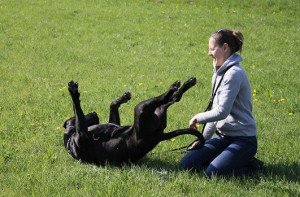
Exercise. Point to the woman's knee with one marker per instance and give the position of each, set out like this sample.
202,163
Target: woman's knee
186,164
211,171
191,161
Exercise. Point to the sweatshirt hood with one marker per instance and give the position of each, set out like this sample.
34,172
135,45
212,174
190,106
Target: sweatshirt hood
233,59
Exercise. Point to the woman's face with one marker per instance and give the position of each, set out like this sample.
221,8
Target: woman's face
219,54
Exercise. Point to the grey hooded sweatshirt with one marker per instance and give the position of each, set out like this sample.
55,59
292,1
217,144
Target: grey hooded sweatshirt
231,113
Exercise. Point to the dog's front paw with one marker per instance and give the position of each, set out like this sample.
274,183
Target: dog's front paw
73,88
122,99
126,96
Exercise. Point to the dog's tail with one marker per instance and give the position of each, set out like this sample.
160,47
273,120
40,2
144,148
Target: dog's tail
198,143
188,131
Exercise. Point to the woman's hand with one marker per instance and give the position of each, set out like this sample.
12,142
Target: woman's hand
197,144
193,122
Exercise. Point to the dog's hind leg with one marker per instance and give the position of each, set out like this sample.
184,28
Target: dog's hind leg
173,95
150,105
187,85
114,116
147,115
161,111
80,123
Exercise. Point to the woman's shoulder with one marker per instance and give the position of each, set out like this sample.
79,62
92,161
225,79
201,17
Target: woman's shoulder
235,74
235,70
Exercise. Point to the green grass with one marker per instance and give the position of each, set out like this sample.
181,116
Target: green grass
142,46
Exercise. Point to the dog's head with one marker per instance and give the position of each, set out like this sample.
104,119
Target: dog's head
69,125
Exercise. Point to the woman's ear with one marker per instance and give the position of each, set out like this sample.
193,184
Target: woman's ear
226,47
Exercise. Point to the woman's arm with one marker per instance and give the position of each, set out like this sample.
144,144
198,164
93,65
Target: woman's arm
226,97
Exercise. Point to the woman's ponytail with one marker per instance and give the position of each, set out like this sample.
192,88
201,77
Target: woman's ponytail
233,38
239,39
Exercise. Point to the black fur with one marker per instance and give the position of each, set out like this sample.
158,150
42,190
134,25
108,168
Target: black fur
91,142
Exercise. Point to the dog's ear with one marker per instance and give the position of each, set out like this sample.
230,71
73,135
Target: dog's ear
70,121
65,124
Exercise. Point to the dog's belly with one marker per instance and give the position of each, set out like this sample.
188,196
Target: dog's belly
116,150
108,143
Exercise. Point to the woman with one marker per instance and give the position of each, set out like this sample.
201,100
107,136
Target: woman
232,152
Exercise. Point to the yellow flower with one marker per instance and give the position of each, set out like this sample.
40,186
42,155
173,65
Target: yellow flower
63,88
290,114
140,84
173,139
254,92
281,100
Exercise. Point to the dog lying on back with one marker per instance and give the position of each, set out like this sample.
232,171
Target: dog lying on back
91,142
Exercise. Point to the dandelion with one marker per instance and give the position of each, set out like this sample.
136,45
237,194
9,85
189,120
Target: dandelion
254,92
281,100
291,113
63,88
140,84
173,139
57,128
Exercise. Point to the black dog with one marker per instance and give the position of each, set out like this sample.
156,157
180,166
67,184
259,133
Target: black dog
91,142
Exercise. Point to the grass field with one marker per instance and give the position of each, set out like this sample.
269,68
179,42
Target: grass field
110,47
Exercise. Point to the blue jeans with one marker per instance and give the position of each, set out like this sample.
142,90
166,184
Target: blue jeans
225,156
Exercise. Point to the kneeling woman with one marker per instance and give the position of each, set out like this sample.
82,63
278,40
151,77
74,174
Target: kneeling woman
233,151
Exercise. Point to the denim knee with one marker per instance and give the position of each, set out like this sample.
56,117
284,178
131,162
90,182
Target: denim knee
185,164
210,171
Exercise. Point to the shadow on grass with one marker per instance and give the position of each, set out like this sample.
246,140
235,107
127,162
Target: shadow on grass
290,172
158,164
